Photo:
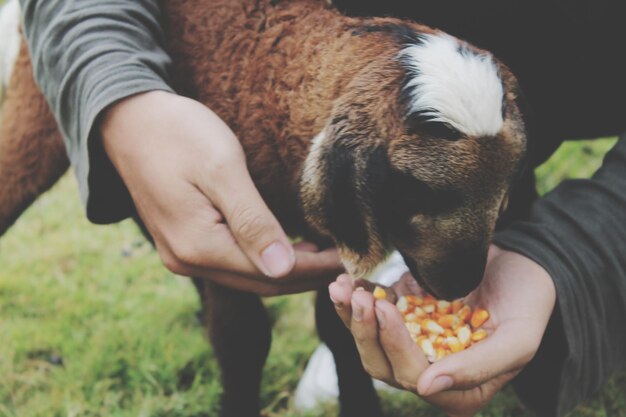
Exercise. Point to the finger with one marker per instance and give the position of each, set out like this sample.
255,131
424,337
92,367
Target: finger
311,264
251,222
364,327
406,359
502,352
340,293
194,241
467,403
263,287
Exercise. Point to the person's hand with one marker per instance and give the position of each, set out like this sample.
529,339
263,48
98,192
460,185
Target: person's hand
519,295
187,175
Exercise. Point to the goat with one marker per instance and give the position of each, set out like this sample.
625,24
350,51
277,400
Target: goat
377,133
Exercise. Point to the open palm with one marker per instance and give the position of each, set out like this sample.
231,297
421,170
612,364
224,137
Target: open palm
520,297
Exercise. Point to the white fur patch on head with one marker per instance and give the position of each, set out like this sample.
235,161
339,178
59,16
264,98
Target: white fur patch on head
451,84
9,40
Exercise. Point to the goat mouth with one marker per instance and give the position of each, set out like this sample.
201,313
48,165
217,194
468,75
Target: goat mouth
418,277
424,284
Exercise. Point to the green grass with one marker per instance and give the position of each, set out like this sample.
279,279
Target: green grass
92,325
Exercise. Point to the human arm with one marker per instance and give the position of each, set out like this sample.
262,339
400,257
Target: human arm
103,71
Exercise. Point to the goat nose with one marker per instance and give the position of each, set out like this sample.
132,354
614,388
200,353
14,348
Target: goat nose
459,277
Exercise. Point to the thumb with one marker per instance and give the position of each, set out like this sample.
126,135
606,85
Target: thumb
505,351
253,225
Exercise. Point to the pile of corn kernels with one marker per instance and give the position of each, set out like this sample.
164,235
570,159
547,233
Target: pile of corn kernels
440,327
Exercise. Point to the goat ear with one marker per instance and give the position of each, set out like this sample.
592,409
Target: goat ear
346,207
342,181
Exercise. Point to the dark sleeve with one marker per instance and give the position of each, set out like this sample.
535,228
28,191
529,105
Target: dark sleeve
578,234
88,54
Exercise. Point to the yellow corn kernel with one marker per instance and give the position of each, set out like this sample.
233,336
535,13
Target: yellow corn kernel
428,308
440,342
465,313
403,305
427,347
431,326
414,299
429,299
448,332
380,293
448,321
479,317
414,329
479,335
464,334
454,344
413,318
443,307
456,306
441,353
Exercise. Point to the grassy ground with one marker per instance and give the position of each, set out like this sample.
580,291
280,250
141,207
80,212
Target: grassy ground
92,325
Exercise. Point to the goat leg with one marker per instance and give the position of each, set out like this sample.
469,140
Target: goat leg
240,332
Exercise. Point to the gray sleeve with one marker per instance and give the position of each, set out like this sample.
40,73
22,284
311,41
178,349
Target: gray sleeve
578,234
88,54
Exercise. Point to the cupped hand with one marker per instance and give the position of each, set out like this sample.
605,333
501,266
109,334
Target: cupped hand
187,175
518,293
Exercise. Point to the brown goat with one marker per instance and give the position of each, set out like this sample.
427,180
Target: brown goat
375,132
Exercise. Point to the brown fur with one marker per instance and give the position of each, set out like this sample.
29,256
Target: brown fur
32,155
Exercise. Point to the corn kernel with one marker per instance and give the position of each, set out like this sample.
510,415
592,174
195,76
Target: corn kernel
465,313
479,335
414,329
428,308
464,334
431,326
454,344
456,306
443,307
411,318
440,342
419,312
448,321
479,317
403,305
429,299
380,293
415,300
427,347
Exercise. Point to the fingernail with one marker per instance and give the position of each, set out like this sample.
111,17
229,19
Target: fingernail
278,259
357,312
441,383
380,316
